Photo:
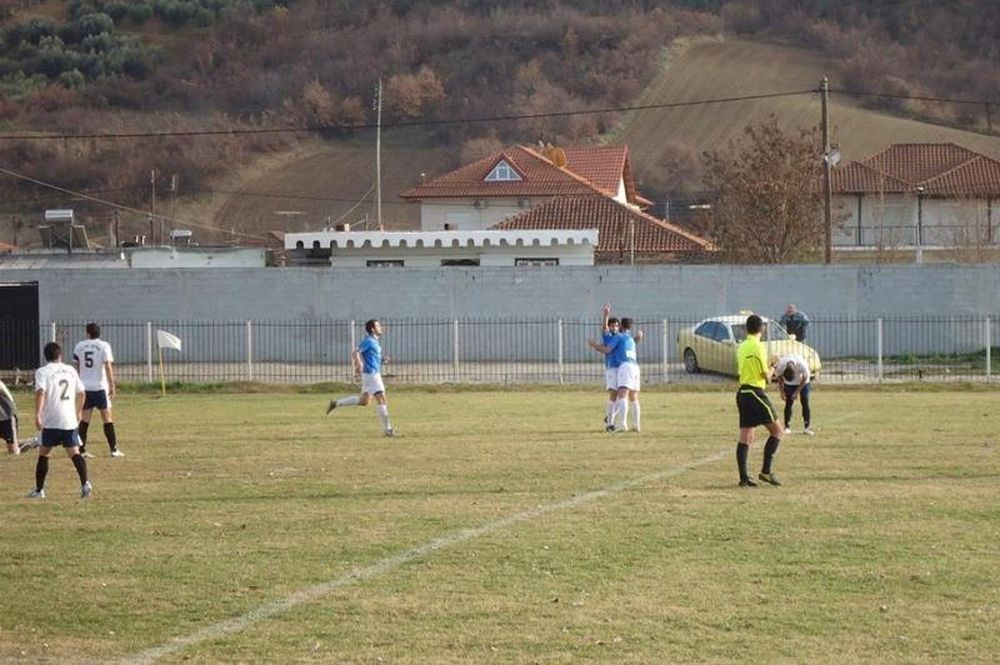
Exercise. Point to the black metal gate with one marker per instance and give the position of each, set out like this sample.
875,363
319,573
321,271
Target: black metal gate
19,332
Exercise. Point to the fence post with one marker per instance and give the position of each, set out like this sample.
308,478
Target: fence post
454,342
249,351
53,332
354,345
989,351
149,351
879,342
666,350
560,351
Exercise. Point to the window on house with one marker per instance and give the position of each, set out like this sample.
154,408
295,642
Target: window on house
536,262
502,172
459,263
384,263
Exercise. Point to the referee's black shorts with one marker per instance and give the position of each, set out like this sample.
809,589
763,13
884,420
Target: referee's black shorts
754,407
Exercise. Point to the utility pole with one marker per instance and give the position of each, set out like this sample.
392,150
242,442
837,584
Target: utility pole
118,237
173,205
378,154
15,222
824,87
152,202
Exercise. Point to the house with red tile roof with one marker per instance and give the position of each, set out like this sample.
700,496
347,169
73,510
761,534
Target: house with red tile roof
479,195
526,189
915,196
625,234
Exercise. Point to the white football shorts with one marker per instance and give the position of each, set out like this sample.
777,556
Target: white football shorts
611,378
628,376
372,384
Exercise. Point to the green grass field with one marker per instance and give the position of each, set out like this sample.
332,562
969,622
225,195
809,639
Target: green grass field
507,527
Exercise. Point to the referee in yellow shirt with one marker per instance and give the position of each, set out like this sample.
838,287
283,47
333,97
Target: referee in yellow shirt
754,406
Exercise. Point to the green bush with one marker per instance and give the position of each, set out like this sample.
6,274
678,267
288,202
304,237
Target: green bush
73,79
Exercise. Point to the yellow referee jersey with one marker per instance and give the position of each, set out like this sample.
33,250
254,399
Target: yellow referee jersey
751,359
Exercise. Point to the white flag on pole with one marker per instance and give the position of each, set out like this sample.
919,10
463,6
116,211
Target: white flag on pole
165,340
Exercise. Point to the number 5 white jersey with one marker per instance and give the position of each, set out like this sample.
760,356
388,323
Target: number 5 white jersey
61,384
91,354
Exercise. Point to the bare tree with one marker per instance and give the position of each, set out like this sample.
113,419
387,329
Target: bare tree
769,208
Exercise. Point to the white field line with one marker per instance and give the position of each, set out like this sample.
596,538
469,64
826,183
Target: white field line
389,564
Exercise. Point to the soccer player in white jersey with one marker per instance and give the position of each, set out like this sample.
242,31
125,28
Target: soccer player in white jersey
796,383
368,361
8,420
59,395
94,360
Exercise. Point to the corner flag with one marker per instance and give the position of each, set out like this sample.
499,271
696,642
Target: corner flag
165,340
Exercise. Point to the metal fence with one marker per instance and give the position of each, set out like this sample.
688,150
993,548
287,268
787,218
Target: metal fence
853,350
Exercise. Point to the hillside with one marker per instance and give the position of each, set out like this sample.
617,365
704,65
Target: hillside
333,184
716,68
691,70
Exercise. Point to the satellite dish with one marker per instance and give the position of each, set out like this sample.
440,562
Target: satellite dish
558,157
832,157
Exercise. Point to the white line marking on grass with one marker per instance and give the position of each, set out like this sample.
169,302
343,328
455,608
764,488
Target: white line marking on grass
389,564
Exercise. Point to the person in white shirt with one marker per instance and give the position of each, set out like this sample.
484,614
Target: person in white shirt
8,420
795,378
59,397
94,360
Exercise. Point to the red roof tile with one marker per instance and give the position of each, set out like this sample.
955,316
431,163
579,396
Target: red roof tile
654,238
942,169
588,171
857,178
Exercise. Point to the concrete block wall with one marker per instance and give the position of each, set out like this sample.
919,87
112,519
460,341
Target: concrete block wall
575,294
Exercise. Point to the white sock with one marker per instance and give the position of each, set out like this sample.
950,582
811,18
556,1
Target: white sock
353,400
383,414
621,414
635,415
609,412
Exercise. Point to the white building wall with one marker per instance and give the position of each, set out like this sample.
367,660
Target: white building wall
419,249
897,220
463,215
190,257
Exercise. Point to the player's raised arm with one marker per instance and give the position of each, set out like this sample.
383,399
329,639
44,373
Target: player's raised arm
605,313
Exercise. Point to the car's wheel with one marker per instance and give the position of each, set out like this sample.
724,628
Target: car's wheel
691,362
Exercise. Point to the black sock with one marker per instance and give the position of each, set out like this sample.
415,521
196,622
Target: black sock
41,470
109,434
742,452
81,467
770,448
82,431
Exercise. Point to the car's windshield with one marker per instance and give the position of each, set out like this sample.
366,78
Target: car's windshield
772,331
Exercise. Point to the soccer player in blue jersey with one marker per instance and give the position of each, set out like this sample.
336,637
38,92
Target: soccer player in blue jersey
608,331
622,353
368,361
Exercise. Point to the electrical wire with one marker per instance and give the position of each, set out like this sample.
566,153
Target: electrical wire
400,124
124,208
916,98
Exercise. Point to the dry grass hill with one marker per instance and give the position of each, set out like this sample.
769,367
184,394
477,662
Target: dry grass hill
335,176
707,69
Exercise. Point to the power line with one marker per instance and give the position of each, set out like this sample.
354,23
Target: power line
400,124
118,206
916,98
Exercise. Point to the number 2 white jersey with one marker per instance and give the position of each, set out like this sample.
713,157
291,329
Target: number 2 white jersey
91,354
61,384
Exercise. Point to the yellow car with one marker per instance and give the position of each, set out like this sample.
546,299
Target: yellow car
710,346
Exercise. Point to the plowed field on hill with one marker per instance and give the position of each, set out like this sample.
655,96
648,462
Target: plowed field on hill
719,68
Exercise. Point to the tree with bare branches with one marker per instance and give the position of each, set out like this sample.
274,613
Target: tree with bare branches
769,207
